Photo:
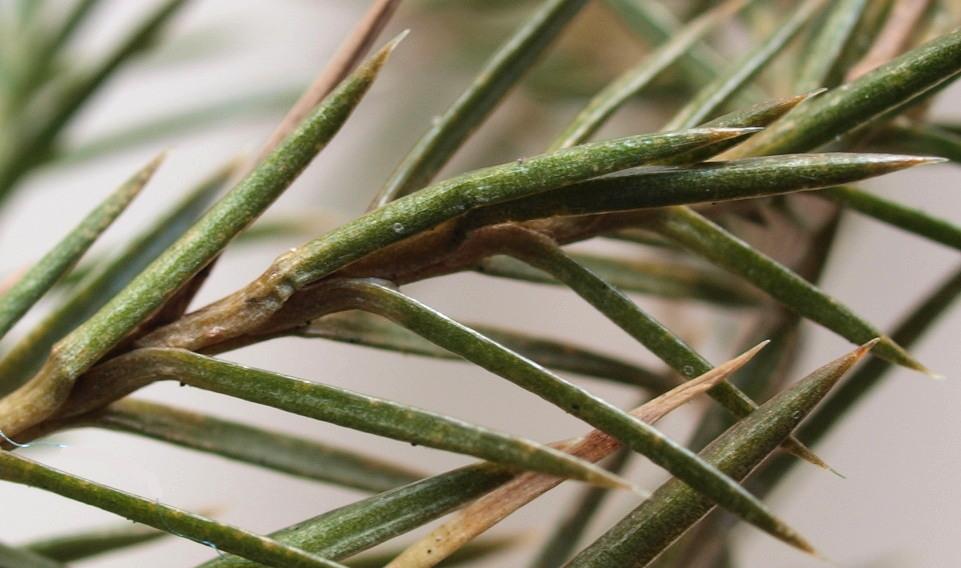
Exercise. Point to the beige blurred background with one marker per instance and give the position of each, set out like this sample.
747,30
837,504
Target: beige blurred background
899,451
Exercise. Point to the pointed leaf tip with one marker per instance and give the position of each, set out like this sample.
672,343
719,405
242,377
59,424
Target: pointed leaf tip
731,132
742,359
836,369
791,102
904,161
391,45
800,543
885,341
863,350
654,410
139,180
881,164
373,65
153,164
602,478
750,353
813,93
818,555
889,349
907,161
33,284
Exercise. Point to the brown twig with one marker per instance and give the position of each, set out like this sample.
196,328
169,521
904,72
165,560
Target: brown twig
451,247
